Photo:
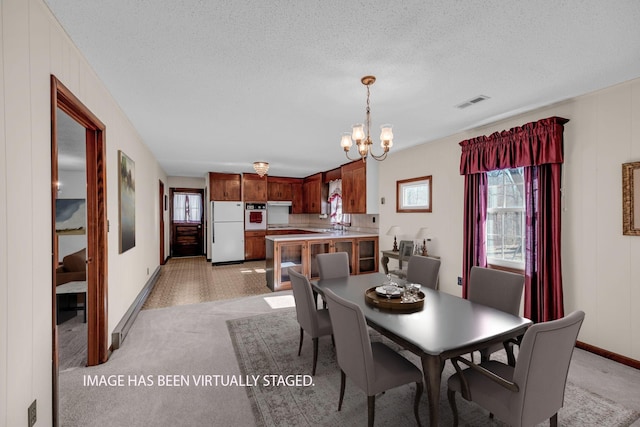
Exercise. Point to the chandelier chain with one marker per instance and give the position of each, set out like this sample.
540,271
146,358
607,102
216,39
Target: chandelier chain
368,114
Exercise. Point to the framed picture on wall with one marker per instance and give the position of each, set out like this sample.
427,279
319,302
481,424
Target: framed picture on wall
71,216
127,199
631,199
414,195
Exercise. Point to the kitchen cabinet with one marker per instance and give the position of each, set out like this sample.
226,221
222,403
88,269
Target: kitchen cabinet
315,195
354,187
317,247
254,188
301,255
297,200
254,245
360,187
224,187
279,189
367,259
348,246
281,257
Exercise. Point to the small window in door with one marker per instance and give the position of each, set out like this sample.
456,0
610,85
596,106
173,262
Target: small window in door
187,208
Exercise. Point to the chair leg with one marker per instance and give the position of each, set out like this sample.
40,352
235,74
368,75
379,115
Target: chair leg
451,395
315,355
371,409
343,379
511,358
553,421
416,404
301,338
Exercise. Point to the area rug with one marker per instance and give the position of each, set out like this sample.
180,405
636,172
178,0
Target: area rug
283,393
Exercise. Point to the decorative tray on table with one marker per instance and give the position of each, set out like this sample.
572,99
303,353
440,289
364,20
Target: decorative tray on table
378,298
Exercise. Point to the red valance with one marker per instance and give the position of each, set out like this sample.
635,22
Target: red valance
532,144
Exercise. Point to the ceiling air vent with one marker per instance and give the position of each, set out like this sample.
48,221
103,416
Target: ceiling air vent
472,101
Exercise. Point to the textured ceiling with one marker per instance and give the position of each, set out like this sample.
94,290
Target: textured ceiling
216,85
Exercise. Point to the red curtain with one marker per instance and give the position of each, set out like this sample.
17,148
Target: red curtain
538,147
543,263
475,216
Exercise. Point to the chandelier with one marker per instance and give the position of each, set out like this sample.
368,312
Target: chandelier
358,136
261,168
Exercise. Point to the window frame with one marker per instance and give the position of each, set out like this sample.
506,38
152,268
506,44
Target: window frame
501,263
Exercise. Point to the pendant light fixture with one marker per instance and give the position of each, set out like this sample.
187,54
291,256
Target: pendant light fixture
362,140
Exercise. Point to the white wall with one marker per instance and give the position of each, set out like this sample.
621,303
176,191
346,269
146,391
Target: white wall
600,265
33,46
186,182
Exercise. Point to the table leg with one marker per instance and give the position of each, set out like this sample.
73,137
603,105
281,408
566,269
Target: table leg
432,370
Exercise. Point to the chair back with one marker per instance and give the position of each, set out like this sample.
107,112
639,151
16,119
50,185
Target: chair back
353,345
423,270
542,368
306,311
498,289
405,250
333,265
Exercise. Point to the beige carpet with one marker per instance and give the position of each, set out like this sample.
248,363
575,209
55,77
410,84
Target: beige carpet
194,280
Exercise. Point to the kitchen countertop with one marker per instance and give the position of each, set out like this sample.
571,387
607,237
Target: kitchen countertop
318,233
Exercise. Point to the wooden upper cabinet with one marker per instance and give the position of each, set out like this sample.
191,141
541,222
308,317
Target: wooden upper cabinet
254,187
354,187
280,189
297,200
313,194
224,186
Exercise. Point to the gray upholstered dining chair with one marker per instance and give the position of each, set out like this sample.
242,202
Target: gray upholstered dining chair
498,289
533,390
423,270
312,321
333,265
405,251
373,367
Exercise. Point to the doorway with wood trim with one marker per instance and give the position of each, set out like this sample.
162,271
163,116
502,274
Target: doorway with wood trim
162,208
87,218
187,222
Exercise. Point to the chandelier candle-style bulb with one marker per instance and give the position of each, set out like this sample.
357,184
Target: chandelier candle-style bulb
345,142
386,137
358,132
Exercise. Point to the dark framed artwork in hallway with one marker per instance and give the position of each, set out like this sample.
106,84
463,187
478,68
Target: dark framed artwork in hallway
127,200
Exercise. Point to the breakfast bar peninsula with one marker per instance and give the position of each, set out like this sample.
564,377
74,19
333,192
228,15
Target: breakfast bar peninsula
299,252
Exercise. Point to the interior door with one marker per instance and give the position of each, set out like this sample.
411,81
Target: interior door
187,222
94,159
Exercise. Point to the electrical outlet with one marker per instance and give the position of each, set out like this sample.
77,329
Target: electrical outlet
459,281
32,414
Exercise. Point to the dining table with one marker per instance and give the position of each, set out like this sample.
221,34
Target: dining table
446,326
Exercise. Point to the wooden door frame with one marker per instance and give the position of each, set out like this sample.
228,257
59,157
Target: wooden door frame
162,208
97,227
204,215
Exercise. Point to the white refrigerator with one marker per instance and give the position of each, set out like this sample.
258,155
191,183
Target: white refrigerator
227,237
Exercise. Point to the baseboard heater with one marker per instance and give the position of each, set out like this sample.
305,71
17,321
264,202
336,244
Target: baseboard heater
122,329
